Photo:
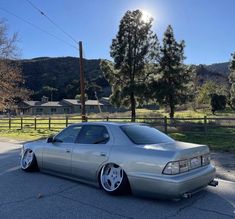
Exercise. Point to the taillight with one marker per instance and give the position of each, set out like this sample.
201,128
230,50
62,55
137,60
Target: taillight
206,159
172,168
181,166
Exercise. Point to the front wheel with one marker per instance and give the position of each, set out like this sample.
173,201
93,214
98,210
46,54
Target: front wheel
113,179
28,161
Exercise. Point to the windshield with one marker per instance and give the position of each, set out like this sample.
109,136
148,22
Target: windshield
140,134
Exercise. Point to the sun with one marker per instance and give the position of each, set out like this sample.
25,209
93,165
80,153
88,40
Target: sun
146,16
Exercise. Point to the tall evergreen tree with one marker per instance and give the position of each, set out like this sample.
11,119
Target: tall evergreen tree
133,50
232,81
172,86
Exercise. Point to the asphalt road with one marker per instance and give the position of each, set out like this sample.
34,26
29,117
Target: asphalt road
38,195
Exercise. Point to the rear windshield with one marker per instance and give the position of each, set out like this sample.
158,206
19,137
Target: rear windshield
141,134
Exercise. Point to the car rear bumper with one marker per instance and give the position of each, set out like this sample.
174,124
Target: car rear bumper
165,186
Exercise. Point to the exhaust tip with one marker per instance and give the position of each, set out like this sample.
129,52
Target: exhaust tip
213,183
187,195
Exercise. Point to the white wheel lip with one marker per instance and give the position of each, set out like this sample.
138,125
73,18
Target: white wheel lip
28,160
102,180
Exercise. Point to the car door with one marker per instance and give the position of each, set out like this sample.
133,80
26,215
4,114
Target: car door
57,155
91,151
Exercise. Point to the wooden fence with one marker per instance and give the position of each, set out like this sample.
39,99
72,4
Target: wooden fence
207,125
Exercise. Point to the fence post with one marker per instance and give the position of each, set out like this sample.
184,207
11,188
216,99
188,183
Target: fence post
107,118
9,122
165,124
35,123
21,123
205,125
66,121
49,123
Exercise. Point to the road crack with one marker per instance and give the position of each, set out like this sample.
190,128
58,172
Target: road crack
35,197
213,211
186,206
96,207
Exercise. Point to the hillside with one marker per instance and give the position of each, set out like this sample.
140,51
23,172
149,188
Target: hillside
221,68
210,72
62,75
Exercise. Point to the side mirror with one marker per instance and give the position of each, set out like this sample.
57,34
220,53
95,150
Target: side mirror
50,139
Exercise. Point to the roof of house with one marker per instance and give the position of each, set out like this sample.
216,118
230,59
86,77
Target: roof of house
64,102
93,103
72,101
44,104
88,102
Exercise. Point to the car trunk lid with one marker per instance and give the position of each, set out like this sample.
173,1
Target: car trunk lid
179,150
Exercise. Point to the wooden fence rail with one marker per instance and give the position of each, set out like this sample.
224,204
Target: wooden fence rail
204,124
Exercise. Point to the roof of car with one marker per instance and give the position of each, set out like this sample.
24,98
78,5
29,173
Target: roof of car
109,123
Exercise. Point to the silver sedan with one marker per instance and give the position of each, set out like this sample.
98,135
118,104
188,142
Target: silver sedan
121,157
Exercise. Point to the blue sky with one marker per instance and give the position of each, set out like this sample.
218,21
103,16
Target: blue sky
207,26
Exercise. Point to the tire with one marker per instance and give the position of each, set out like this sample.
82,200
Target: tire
28,161
113,180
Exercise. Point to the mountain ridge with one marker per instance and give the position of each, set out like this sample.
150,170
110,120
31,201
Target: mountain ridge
62,74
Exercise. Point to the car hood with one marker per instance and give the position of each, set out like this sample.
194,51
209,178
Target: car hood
33,144
181,150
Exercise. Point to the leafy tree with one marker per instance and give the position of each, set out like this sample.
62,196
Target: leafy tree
218,102
72,89
91,89
78,97
232,81
172,87
49,91
207,90
133,49
11,81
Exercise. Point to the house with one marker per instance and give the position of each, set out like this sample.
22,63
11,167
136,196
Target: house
65,106
43,107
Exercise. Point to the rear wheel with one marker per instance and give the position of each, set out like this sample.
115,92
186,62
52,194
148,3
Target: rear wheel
28,161
113,179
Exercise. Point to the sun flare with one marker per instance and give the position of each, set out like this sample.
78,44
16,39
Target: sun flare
146,16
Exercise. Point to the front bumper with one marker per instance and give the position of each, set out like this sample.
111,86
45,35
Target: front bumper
165,186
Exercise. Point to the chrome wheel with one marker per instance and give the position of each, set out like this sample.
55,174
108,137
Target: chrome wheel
111,177
27,159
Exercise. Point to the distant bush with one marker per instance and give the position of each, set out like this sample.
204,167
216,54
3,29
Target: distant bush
218,102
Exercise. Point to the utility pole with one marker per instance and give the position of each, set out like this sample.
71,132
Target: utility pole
83,107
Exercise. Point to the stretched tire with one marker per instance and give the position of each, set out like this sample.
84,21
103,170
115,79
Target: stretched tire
113,180
28,161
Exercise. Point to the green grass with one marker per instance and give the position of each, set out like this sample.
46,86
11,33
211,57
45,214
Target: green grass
217,138
217,142
26,134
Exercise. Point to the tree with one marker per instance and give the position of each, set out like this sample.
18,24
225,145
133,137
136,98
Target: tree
172,86
11,84
133,50
211,89
78,97
218,102
232,81
49,91
205,92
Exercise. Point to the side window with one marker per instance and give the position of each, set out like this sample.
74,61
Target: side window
69,134
94,134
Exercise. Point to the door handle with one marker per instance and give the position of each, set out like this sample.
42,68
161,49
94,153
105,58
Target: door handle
102,154
67,150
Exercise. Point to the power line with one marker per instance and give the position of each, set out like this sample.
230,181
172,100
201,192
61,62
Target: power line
37,27
49,19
